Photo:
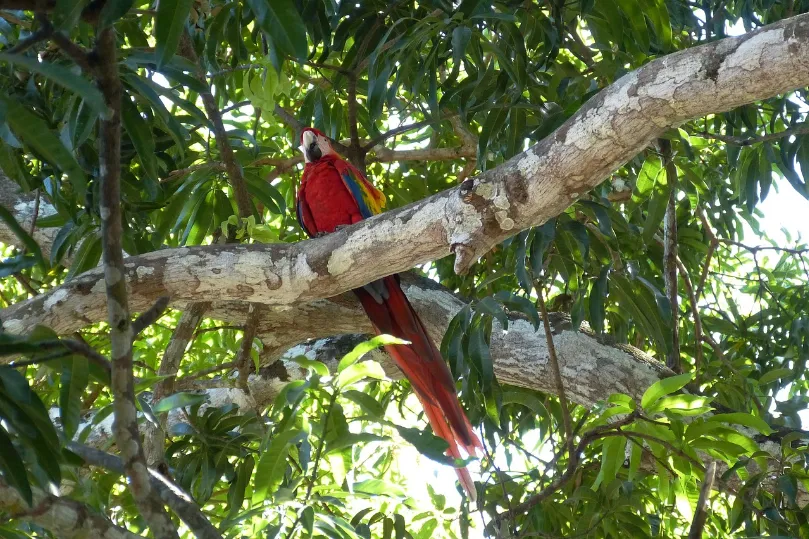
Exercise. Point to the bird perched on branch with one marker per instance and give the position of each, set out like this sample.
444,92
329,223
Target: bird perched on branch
334,193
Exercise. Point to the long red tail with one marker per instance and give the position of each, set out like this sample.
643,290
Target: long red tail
390,312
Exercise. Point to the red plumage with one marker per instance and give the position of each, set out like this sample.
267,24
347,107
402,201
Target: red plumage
334,193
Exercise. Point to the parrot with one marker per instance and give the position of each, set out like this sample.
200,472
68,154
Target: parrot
333,193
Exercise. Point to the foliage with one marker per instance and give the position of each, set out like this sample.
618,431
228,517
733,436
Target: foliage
323,458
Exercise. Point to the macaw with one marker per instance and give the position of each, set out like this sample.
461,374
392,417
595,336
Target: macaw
333,194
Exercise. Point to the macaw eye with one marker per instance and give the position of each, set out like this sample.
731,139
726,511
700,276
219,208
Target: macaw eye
312,146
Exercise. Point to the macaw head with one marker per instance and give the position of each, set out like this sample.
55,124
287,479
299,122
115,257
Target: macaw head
314,145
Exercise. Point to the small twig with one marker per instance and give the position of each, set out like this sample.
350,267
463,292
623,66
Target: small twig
756,248
801,129
205,372
712,245
147,318
352,113
43,34
216,328
403,129
572,464
701,513
77,53
692,299
26,284
67,346
36,214
250,330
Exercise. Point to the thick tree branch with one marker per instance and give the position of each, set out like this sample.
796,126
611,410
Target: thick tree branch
64,518
526,191
127,436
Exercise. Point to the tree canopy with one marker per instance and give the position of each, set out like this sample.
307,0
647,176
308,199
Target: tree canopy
578,185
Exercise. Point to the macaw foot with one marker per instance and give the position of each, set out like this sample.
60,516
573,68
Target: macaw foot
320,234
340,227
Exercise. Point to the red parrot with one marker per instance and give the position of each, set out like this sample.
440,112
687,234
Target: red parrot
333,193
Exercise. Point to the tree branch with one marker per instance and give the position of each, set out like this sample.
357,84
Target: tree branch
171,494
234,171
125,427
701,512
64,518
741,140
528,189
155,439
670,254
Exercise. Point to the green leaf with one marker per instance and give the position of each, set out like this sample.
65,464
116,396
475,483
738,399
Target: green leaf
480,355
378,487
315,366
112,11
67,13
773,375
359,371
75,376
14,471
272,463
364,347
283,24
239,487
741,418
141,135
664,387
86,257
64,77
612,458
36,134
598,297
427,443
169,26
179,400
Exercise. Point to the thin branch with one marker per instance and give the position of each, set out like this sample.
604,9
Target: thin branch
756,248
234,171
75,52
289,119
125,426
155,437
179,502
33,227
692,300
670,254
205,372
712,245
64,347
701,512
41,35
800,129
352,113
149,317
572,464
403,129
250,330
557,372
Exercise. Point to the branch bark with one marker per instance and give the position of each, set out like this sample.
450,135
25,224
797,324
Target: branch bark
127,435
188,511
65,518
526,191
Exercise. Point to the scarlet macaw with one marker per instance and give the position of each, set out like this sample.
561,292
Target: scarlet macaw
333,193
